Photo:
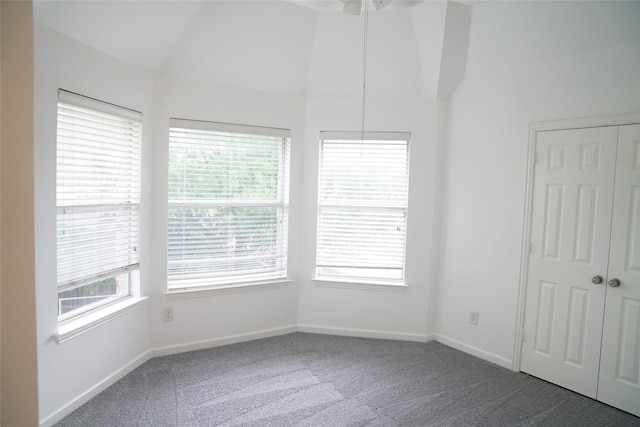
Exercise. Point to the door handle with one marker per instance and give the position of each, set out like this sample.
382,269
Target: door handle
614,283
596,280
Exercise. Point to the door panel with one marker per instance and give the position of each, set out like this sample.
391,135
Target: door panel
585,224
544,317
553,221
576,332
570,229
619,383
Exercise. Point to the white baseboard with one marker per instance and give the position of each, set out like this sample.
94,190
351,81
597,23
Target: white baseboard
217,342
83,398
475,351
364,333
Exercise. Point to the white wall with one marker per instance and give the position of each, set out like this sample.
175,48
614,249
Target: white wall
485,172
511,34
476,214
355,310
220,317
68,370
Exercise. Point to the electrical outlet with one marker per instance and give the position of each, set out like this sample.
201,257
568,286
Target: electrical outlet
473,317
167,315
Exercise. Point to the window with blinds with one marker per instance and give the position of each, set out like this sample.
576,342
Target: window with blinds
362,206
228,204
98,202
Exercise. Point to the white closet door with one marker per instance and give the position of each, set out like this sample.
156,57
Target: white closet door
570,229
619,383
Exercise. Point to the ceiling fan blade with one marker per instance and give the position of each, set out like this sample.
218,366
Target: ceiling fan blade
352,7
380,4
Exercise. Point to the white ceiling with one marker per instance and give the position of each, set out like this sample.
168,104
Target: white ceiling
291,47
309,47
141,33
256,45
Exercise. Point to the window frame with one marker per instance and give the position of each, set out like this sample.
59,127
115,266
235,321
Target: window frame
72,144
321,273
233,279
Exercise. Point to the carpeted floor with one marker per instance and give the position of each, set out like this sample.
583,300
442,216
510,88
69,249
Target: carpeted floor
319,380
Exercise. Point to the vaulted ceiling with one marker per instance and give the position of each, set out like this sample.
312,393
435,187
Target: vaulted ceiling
291,47
310,47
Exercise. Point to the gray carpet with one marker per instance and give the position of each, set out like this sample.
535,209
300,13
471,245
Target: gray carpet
319,380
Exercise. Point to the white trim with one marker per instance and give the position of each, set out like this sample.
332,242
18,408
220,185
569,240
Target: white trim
586,122
364,333
72,284
218,342
92,392
72,328
534,128
474,351
187,293
524,250
370,135
71,98
84,397
363,285
228,127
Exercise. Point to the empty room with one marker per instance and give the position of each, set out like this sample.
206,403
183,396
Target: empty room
320,212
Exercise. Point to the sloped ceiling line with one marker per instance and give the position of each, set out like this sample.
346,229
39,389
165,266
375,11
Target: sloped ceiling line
266,45
455,48
309,47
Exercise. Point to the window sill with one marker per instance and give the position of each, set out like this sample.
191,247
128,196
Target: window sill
226,289
360,284
72,328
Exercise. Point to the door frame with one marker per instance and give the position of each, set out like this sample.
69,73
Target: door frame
534,128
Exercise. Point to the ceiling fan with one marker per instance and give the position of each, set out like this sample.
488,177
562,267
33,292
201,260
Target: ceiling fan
353,7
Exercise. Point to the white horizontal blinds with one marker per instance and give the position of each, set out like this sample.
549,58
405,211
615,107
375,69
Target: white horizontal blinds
228,204
97,190
363,192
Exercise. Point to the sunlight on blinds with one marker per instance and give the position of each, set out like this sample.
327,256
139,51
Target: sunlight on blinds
98,191
228,204
362,208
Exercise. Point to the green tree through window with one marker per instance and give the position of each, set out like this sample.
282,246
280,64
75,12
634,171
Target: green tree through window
228,202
